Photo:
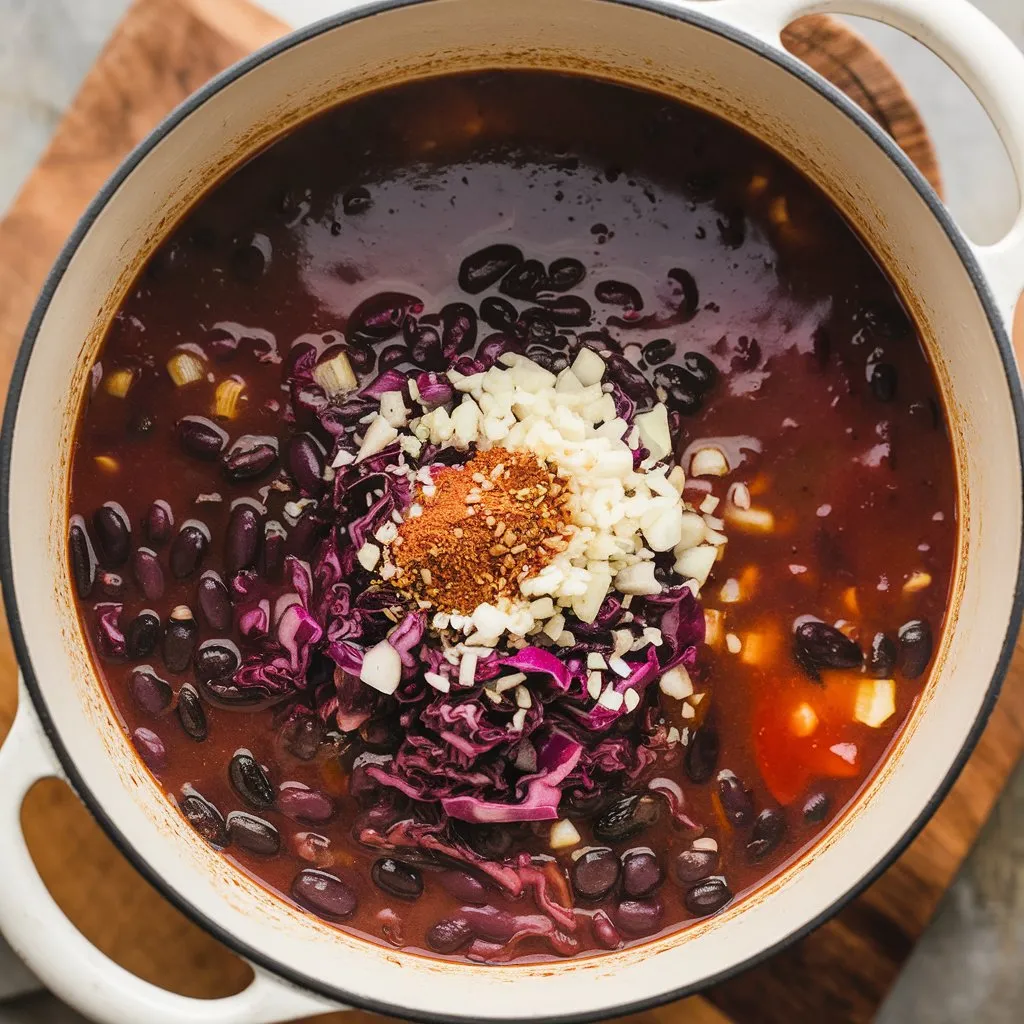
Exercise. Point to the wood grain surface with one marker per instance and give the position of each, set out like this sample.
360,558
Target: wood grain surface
163,50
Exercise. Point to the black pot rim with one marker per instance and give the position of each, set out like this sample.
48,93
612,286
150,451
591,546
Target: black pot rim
757,48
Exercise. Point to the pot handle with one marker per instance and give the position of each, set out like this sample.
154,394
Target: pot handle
975,48
62,958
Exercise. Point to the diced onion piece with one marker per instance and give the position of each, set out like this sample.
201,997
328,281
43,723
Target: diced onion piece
379,434
733,643
588,367
594,683
596,660
225,398
611,699
368,556
691,533
392,408
676,683
438,682
563,835
705,843
751,520
637,579
803,720
663,530
918,581
382,668
876,702
118,383
631,699
654,433
335,375
709,504
709,462
467,669
588,604
185,368
697,563
739,495
714,626
107,463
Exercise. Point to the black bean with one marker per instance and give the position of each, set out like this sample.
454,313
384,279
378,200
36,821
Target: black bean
216,659
487,266
882,657
151,748
641,873
535,327
817,645
379,318
250,780
565,274
356,200
304,459
686,292
113,534
686,400
524,281
272,551
111,584
204,817
498,313
398,878
250,456
392,356
188,548
568,311
304,804
816,808
693,865
702,754
180,635
708,897
639,917
449,935
325,894
883,381
915,647
737,801
619,293
191,714
595,873
83,558
425,345
464,886
542,355
658,351
213,601
767,833
243,535
143,634
149,574
201,437
458,329
151,693
626,818
253,834
158,523
701,369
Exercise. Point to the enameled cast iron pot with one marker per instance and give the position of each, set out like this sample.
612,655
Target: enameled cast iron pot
722,55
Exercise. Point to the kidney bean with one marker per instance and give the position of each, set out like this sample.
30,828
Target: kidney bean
568,311
424,342
693,865
151,693
398,878
459,326
324,894
687,293
498,313
214,601
490,923
191,714
304,804
915,639
243,535
565,274
304,459
113,534
535,327
626,818
708,897
271,560
216,659
143,634
449,935
817,645
700,369
188,548
149,574
250,780
302,736
313,848
618,293
639,917
180,636
884,381
641,873
768,831
158,523
250,456
201,437
882,657
816,808
151,748
111,584
736,799
604,931
658,351
463,886
702,754
83,558
595,873
253,834
524,281
204,817
381,317
487,266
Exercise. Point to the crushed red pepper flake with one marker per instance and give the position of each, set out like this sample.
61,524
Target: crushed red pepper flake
457,554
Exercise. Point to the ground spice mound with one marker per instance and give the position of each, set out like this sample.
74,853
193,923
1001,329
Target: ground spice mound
487,525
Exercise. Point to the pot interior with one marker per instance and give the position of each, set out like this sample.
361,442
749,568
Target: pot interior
650,47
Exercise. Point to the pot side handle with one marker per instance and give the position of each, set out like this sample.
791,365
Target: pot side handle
984,57
63,959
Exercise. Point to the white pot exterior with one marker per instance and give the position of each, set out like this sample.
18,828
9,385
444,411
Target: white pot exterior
660,47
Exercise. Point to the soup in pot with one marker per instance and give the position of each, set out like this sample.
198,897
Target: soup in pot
511,538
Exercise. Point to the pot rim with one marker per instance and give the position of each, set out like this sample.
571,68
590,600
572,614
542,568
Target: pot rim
182,902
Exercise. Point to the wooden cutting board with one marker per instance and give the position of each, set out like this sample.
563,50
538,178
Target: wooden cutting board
163,50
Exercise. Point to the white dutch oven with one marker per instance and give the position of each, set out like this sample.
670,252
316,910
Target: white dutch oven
722,55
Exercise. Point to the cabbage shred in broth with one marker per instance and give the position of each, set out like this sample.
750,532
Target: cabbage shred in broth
275,397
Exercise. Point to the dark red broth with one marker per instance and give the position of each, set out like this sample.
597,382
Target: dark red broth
823,401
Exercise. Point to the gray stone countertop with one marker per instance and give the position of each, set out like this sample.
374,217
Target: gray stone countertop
968,965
